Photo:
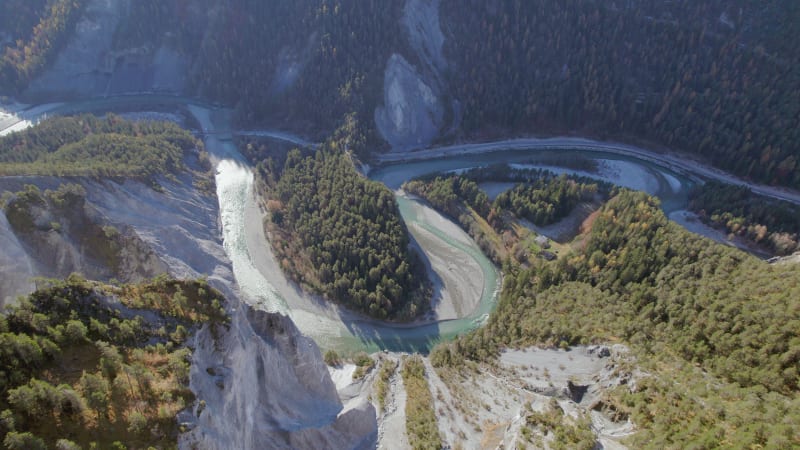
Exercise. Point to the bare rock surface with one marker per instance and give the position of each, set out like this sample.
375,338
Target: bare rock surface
421,20
16,267
413,112
264,385
487,406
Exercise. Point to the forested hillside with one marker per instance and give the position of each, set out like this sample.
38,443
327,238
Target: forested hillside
98,147
711,77
91,366
715,78
179,24
772,224
680,301
546,199
341,234
31,33
708,77
540,197
307,63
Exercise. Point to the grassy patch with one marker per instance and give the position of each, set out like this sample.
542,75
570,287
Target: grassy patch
388,368
364,363
421,424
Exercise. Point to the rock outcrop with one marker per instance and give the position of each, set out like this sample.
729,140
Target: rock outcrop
262,384
421,20
57,232
416,109
413,113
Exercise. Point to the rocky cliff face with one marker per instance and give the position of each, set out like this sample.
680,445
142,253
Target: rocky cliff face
262,384
259,383
62,233
415,108
413,113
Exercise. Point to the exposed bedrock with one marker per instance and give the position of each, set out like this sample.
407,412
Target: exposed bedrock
413,113
416,108
262,384
421,20
16,268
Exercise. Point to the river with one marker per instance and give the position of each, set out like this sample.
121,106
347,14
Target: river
260,280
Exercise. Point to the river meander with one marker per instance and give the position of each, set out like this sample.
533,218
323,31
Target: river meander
262,283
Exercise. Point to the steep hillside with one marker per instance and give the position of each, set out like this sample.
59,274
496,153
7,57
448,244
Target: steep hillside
711,78
31,34
722,323
138,201
233,369
768,223
63,233
92,365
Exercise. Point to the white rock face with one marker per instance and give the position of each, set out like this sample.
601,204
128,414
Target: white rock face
413,114
264,385
414,108
180,224
16,268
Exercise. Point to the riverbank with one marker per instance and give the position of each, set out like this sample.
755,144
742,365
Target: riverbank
683,164
263,283
265,286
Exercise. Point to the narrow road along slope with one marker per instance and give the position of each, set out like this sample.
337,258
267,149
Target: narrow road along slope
674,162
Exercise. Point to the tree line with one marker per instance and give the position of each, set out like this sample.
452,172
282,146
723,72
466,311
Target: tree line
86,145
546,200
673,74
768,223
303,63
539,196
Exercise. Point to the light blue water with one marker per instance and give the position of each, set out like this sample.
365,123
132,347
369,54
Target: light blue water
235,187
